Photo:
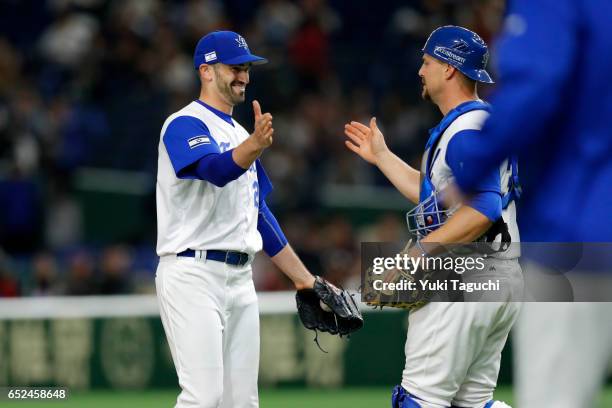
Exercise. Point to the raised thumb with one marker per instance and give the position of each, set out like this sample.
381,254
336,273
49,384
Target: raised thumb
373,123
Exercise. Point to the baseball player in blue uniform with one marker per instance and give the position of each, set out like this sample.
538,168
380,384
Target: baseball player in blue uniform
452,350
553,107
212,219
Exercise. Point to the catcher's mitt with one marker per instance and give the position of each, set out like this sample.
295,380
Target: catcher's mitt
328,309
404,299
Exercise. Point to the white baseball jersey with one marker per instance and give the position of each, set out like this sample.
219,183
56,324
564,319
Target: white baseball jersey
196,214
442,175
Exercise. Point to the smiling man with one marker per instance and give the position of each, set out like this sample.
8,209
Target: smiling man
212,218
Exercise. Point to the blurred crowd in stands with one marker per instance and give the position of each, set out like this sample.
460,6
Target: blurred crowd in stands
88,84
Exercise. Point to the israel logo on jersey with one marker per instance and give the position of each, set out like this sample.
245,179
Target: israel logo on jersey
198,141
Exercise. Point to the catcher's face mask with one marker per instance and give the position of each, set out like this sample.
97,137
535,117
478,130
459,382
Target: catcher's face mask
428,215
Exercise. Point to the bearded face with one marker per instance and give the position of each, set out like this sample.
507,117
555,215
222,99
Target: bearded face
231,82
424,94
431,74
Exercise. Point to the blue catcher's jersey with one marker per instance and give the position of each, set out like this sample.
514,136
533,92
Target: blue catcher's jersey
553,109
461,124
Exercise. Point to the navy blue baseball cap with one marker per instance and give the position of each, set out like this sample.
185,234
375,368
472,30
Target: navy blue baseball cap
226,47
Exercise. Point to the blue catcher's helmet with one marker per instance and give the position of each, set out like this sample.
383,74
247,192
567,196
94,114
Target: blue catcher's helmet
461,48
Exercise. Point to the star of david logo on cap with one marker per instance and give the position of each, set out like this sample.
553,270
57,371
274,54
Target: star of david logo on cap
242,42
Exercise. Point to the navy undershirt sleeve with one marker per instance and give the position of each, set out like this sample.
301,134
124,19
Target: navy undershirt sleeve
272,235
219,169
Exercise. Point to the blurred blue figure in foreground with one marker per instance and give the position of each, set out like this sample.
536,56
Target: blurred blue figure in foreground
553,108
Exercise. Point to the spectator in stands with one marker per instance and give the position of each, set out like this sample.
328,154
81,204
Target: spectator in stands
45,276
115,268
81,278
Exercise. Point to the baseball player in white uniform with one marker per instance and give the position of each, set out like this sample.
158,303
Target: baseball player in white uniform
212,218
453,350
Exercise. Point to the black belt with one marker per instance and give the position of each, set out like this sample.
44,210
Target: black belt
228,257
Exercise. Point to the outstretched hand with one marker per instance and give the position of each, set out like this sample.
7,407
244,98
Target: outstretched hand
262,135
367,142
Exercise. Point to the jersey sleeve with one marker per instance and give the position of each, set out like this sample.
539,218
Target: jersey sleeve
456,161
488,204
187,140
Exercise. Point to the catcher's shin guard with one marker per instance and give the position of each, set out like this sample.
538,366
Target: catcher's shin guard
400,398
496,404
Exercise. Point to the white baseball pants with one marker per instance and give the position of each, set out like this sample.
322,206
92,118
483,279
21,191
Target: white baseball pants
210,315
453,349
